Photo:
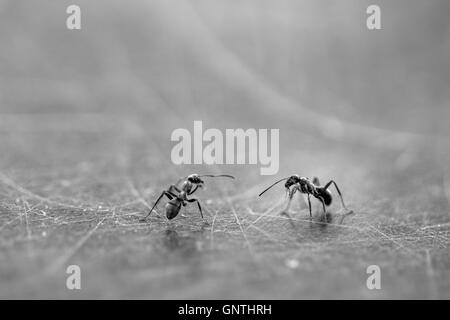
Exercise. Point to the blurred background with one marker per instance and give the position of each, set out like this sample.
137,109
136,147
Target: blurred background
192,54
86,117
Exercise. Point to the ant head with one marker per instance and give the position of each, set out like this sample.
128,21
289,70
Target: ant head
292,180
195,178
289,182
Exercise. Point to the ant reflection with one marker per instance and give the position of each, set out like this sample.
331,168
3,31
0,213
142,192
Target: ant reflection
184,242
171,239
319,221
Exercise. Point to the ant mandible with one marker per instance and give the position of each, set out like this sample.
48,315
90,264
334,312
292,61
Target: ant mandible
179,196
304,185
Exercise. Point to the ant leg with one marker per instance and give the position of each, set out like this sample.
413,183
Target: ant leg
168,194
172,187
327,217
291,195
339,192
198,204
285,211
323,205
309,203
192,191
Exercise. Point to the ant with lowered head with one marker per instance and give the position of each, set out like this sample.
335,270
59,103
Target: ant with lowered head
178,197
304,185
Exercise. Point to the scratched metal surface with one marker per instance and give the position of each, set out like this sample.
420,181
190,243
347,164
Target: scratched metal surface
85,150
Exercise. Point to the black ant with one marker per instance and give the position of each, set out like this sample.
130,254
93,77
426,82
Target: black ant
304,185
178,196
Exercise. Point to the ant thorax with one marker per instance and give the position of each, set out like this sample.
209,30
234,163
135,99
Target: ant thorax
187,186
182,195
300,183
306,186
304,180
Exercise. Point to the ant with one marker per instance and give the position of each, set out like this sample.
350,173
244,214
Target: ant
178,196
304,185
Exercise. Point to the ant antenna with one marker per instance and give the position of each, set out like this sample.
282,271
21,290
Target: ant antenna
216,176
273,185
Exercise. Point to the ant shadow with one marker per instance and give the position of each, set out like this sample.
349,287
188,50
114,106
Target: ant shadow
330,218
320,225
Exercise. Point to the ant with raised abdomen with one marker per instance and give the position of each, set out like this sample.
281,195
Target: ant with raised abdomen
179,196
305,186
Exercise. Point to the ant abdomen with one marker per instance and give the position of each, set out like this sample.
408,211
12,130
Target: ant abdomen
325,195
